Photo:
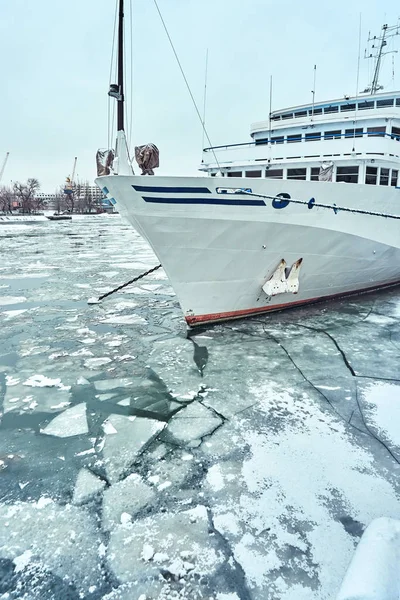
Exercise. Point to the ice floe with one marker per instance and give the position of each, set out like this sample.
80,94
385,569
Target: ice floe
71,422
87,485
42,381
7,300
133,435
151,552
383,408
128,496
192,423
58,536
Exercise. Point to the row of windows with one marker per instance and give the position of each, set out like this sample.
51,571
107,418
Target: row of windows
335,108
373,175
332,135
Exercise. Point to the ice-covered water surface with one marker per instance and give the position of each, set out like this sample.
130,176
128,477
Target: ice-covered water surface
241,462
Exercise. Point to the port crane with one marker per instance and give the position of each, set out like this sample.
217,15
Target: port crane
70,180
3,166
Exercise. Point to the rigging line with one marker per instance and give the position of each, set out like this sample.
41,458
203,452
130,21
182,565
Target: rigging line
329,206
186,81
131,75
357,84
110,124
205,100
125,103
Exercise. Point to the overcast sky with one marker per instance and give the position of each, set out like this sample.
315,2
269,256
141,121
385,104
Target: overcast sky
56,65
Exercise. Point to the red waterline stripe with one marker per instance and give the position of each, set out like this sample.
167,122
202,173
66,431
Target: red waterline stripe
237,314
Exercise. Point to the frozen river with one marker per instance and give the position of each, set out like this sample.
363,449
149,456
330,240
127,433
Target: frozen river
240,463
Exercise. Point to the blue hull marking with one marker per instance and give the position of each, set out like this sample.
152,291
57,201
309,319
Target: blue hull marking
172,190
214,201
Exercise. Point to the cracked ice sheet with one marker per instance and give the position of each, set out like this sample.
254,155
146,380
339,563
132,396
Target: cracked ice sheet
383,409
280,520
127,439
172,361
193,423
179,544
56,535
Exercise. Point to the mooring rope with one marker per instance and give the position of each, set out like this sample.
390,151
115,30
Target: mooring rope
95,301
311,203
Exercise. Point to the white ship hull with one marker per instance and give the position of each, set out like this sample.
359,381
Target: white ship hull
220,251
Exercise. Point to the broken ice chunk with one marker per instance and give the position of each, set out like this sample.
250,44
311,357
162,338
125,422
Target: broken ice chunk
87,485
134,434
127,496
147,552
69,423
193,423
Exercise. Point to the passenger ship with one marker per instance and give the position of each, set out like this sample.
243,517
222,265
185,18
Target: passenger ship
308,210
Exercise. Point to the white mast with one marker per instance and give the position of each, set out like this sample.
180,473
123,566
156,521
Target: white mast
379,43
4,165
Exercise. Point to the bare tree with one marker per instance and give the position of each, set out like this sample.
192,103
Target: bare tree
7,198
59,200
25,193
88,202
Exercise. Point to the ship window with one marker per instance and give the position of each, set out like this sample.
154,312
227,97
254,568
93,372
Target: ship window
371,175
296,173
274,173
313,137
234,173
331,109
253,173
347,107
366,104
331,135
314,173
276,118
394,177
378,131
387,102
347,174
384,178
287,116
259,142
396,133
353,132
300,113
277,140
315,111
294,138
397,101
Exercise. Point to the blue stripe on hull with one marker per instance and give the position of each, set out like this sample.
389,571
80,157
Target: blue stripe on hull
215,201
172,190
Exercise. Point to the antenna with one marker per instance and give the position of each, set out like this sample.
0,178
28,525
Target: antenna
205,99
313,91
393,71
270,107
379,43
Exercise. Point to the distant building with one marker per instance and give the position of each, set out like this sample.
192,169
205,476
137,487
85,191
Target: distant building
49,200
52,201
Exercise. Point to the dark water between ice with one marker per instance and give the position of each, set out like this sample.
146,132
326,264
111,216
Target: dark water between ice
243,462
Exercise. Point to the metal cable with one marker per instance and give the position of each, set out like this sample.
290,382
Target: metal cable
329,206
186,82
129,282
131,77
111,121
